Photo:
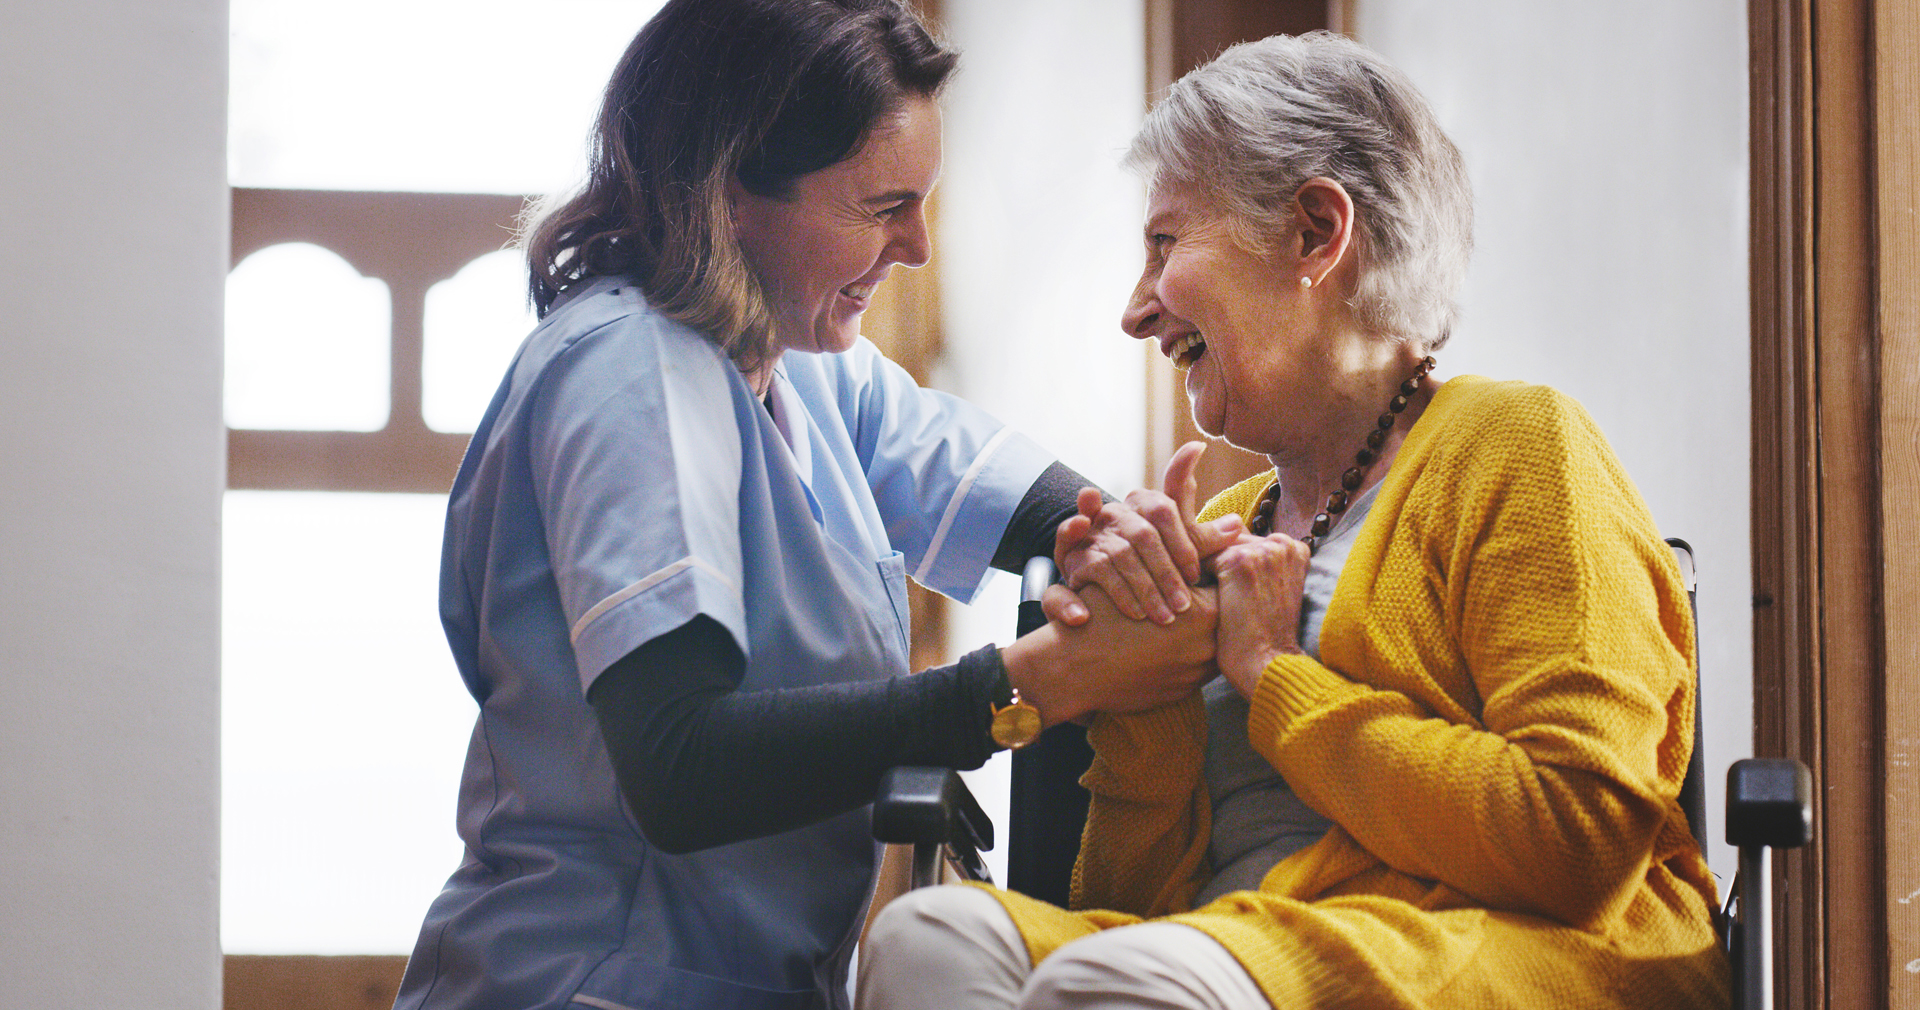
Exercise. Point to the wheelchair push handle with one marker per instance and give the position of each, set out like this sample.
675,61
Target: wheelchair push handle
1034,581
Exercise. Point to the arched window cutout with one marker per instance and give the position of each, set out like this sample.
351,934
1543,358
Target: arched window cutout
474,322
307,342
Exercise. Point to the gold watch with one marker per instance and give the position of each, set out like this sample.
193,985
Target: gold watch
1015,724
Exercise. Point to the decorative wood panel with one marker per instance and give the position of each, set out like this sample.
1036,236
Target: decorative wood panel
312,982
411,241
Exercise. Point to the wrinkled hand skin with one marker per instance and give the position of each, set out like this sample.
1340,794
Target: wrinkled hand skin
1262,580
1146,551
1112,663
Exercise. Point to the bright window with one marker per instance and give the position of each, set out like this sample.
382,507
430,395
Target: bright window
439,96
344,722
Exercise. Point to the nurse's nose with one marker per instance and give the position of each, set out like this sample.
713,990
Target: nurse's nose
912,244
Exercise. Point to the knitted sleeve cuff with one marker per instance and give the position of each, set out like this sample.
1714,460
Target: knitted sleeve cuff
1293,687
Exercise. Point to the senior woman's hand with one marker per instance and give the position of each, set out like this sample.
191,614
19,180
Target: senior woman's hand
1111,663
1143,552
1262,580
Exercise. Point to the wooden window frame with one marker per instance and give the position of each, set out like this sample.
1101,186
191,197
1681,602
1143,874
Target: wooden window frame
410,241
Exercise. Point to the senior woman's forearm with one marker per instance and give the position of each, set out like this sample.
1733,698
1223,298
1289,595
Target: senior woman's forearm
703,764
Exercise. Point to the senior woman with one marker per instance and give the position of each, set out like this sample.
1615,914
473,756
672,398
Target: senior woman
1443,767
676,552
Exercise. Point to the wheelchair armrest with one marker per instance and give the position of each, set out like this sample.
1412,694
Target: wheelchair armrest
1034,581
918,805
932,810
1770,803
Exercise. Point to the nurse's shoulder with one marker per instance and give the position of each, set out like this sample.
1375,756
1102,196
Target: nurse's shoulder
602,336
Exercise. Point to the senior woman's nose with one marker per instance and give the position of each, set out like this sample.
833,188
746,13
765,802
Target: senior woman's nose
1143,312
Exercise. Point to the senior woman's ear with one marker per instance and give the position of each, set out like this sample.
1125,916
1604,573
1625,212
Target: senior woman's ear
1323,215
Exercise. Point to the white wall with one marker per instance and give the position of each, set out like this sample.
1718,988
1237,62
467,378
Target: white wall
1608,149
112,255
1039,245
1039,227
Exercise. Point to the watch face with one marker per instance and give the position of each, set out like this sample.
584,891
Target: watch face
1016,725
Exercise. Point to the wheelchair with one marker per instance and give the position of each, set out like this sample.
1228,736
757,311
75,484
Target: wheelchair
1769,806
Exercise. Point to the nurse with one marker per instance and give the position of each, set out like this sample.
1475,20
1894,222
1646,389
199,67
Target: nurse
674,573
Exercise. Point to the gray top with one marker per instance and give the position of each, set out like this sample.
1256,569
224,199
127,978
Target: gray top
1257,819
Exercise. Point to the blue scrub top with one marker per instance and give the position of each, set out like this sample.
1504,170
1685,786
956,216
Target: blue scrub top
624,479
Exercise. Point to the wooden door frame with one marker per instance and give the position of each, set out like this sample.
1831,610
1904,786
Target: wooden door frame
1836,468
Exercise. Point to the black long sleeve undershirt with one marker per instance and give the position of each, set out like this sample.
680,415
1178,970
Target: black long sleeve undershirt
702,763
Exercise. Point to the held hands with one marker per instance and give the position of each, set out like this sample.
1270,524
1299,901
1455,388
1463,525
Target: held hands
1144,552
1145,558
1112,663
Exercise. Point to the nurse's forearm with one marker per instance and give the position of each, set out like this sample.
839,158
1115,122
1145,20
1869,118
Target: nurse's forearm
703,764
1047,504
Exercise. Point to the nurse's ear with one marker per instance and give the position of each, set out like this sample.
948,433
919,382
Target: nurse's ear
735,192
758,222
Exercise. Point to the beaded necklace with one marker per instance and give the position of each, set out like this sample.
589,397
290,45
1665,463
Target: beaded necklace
1350,481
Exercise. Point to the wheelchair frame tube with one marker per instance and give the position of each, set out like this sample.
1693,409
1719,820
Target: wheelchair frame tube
926,864
1753,982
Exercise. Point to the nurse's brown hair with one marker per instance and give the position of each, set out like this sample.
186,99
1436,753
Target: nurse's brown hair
758,91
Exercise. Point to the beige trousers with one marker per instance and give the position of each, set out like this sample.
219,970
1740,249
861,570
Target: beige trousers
955,948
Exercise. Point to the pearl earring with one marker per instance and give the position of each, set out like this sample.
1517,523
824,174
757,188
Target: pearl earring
1305,281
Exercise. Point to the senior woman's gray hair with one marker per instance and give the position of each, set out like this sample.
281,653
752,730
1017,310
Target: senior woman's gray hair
1264,117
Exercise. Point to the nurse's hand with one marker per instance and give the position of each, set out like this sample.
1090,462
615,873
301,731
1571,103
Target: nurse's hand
1144,552
1111,663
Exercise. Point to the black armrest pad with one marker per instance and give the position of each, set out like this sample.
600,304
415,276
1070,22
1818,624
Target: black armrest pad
1769,802
918,805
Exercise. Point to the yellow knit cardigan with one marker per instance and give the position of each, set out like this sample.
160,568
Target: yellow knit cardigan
1498,726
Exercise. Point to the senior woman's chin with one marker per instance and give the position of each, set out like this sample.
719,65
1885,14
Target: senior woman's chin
1211,416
